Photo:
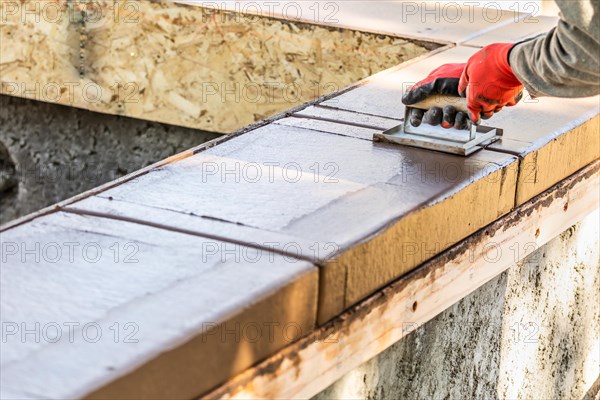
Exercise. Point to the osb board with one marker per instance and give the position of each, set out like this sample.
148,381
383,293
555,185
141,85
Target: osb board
178,64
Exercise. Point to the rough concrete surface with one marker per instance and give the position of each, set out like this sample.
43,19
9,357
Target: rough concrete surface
533,332
50,152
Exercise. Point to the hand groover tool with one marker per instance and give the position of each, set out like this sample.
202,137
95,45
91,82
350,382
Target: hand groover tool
450,140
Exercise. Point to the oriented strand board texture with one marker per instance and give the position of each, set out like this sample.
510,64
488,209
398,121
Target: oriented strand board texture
183,65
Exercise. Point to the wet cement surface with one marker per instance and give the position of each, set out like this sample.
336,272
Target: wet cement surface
317,185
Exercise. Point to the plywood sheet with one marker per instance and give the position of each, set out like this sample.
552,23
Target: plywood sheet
191,66
156,303
345,193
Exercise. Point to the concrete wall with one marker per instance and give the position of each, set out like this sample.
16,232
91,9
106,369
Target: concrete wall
50,152
531,333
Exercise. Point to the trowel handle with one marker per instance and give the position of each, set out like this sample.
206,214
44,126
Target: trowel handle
442,100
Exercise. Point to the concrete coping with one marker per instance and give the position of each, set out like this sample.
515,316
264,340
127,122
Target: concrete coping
281,227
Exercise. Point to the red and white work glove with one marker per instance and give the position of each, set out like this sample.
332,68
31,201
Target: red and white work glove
486,80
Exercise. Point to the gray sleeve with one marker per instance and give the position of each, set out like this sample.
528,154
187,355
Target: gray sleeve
565,62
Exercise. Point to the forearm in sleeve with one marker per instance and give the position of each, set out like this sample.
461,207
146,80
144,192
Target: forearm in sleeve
565,62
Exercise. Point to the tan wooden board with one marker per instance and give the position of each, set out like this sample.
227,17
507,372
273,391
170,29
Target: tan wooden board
554,138
333,191
562,156
149,309
305,368
420,235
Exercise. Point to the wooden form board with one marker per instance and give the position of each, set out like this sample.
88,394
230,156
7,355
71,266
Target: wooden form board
122,310
307,367
556,138
345,203
553,137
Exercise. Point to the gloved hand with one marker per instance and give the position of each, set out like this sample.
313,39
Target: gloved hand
486,80
442,80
